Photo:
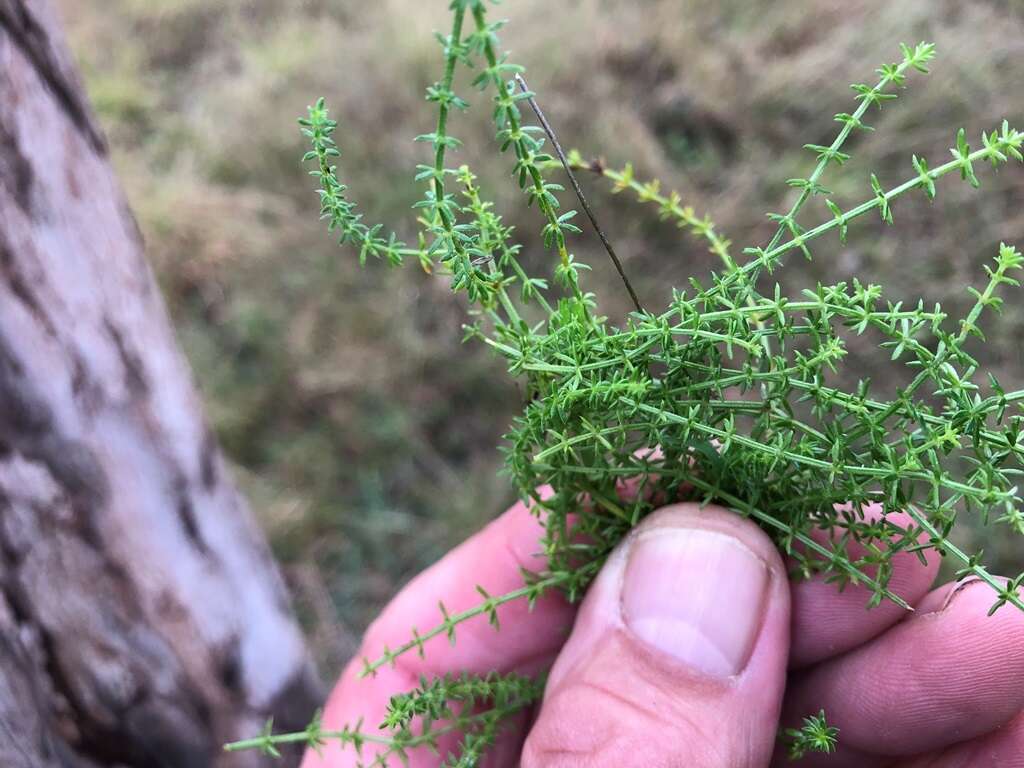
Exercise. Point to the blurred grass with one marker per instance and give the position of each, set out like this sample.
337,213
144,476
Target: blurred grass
362,429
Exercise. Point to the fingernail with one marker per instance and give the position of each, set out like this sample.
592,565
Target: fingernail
937,602
696,595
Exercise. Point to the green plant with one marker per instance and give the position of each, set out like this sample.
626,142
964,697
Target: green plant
730,394
815,735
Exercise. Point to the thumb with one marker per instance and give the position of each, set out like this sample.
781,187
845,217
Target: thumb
678,654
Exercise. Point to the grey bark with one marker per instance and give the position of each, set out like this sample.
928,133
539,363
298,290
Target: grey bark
142,619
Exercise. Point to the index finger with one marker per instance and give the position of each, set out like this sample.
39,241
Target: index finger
527,643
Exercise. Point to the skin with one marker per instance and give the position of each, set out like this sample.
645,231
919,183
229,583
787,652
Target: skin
941,687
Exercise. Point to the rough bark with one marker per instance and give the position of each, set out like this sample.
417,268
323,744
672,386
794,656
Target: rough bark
142,619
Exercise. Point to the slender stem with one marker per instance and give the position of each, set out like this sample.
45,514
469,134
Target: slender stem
576,187
446,627
506,105
451,59
356,737
823,162
670,206
971,566
787,530
767,256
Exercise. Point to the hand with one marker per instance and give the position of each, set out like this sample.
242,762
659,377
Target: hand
692,646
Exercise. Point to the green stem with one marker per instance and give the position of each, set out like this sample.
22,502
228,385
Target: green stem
848,126
447,626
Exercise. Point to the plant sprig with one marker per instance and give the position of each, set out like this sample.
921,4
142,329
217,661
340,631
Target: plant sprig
814,735
733,394
472,708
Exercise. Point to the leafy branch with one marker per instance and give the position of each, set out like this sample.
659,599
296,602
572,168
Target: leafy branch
731,394
473,708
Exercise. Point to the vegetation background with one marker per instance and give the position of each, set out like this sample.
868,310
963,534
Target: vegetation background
364,432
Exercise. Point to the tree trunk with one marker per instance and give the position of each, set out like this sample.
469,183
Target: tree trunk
142,619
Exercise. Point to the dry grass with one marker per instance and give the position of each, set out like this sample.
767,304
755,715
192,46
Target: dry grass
352,411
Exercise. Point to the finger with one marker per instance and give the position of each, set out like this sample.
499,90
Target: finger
678,655
527,642
948,674
1003,748
828,622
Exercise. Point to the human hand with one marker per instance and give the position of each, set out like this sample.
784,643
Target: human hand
692,646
